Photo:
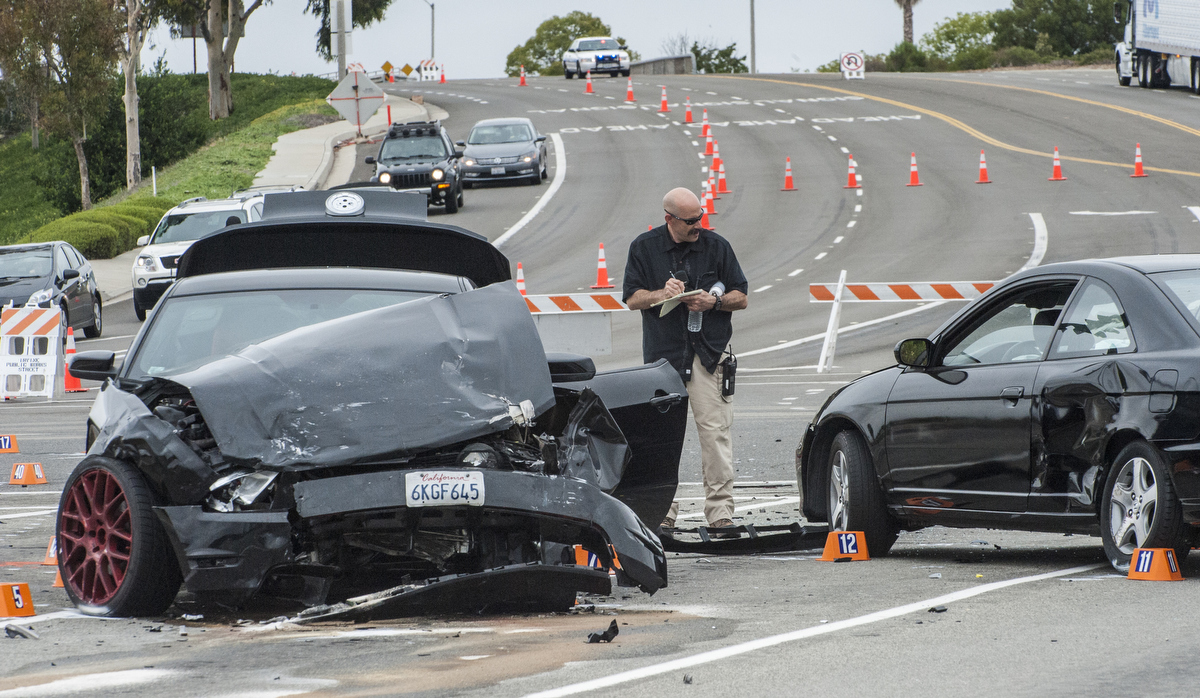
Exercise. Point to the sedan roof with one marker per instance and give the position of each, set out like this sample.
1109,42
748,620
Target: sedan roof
504,121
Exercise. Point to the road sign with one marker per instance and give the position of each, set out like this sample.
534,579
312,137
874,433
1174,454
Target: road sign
356,98
407,69
853,65
387,66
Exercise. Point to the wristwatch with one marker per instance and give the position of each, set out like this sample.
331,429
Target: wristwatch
718,305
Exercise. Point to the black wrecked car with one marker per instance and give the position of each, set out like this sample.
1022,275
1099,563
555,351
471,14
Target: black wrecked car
1066,399
346,403
419,157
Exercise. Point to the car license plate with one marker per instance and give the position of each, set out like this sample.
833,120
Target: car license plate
606,64
444,488
497,170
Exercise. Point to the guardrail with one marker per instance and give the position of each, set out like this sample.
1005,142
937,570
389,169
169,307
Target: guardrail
667,65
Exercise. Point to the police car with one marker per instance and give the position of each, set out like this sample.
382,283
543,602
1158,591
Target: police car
596,54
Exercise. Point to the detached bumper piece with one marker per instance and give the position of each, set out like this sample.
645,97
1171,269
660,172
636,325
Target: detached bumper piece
515,588
750,540
227,553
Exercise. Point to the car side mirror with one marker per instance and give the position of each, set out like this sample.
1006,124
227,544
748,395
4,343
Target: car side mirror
914,352
143,241
461,144
539,139
370,160
459,153
93,365
69,274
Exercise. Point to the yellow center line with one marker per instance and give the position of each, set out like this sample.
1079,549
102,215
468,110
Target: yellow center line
976,133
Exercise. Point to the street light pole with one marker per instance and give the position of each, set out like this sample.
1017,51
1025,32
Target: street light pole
753,67
340,26
431,24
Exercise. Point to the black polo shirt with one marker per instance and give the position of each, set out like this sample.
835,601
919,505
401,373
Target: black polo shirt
652,258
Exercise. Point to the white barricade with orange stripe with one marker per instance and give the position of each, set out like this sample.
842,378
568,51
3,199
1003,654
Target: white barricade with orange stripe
908,291
578,323
30,343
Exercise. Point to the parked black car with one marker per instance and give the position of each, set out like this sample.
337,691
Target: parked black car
52,274
504,149
419,157
1066,399
291,422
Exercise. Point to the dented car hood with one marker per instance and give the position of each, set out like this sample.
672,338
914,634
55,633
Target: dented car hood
379,384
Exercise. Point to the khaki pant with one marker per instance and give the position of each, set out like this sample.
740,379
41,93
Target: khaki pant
714,424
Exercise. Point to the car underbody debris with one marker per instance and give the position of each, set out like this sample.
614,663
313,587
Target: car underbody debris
781,538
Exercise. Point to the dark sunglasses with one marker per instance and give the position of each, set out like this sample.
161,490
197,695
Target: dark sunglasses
685,221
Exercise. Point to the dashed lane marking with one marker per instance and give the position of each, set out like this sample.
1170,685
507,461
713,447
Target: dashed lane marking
1111,213
795,272
1195,211
560,173
802,634
976,133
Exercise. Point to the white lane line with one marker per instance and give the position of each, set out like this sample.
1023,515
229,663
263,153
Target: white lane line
805,633
90,682
859,192
838,239
851,224
560,173
794,272
781,111
1040,240
831,138
1111,213
818,127
760,289
9,517
858,208
821,256
1195,211
845,150
104,339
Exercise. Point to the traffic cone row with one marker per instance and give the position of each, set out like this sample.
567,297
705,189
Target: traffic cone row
71,384
588,90
523,83
708,144
722,187
629,91
687,114
716,153
663,107
705,129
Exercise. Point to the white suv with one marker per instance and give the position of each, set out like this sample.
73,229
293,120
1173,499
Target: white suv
596,54
154,268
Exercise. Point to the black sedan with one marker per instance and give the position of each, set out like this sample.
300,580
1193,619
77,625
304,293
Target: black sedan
1066,399
504,149
49,275
343,401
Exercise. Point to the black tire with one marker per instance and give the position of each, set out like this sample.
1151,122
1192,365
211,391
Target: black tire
624,73
568,74
854,499
614,73
467,185
1139,508
1142,68
460,197
138,311
1196,75
92,551
451,203
97,320
1121,79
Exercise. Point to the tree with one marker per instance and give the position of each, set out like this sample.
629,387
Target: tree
68,49
962,33
365,13
710,59
139,17
1066,27
542,53
22,65
222,23
907,6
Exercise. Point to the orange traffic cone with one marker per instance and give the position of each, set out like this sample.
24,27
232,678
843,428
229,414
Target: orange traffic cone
712,183
687,114
27,474
708,145
787,177
1137,163
983,175
722,187
852,178
602,271
705,129
520,279
588,90
629,91
1058,175
391,78
663,107
704,222
716,153
58,583
523,83
51,553
71,384
913,179
710,207
443,80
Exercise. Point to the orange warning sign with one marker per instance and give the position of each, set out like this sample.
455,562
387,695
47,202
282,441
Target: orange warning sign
15,600
51,553
1154,565
8,444
845,545
27,474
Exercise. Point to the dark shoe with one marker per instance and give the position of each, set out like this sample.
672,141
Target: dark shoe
668,524
724,524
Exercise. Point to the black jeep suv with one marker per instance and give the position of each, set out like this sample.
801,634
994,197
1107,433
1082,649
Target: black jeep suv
420,157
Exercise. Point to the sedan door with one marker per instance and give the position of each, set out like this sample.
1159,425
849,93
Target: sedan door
959,431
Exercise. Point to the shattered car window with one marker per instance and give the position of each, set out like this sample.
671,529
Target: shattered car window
190,331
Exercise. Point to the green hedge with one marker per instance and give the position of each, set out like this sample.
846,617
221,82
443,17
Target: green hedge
103,233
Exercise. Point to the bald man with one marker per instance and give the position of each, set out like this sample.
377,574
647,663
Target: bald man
675,257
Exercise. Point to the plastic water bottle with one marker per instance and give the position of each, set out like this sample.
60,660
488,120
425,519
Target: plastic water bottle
696,317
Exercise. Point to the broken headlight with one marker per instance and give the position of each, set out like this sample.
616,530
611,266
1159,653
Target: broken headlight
242,491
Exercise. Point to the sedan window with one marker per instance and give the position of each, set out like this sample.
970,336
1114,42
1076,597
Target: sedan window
26,263
415,147
508,133
1019,329
1095,325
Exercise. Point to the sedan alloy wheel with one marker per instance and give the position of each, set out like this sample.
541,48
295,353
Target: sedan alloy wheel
1140,507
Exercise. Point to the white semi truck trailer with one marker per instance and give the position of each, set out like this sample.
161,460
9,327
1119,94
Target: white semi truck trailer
1162,43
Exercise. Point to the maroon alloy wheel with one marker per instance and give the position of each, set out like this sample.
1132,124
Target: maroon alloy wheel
95,537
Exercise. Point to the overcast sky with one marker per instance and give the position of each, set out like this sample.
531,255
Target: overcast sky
475,36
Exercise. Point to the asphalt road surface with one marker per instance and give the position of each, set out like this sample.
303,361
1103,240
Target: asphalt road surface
1023,613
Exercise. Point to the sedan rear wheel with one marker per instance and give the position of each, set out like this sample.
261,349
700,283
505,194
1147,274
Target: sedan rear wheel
97,320
1140,509
112,550
855,499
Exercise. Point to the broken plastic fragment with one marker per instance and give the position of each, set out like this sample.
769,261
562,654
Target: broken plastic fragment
936,575
13,630
938,609
606,636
